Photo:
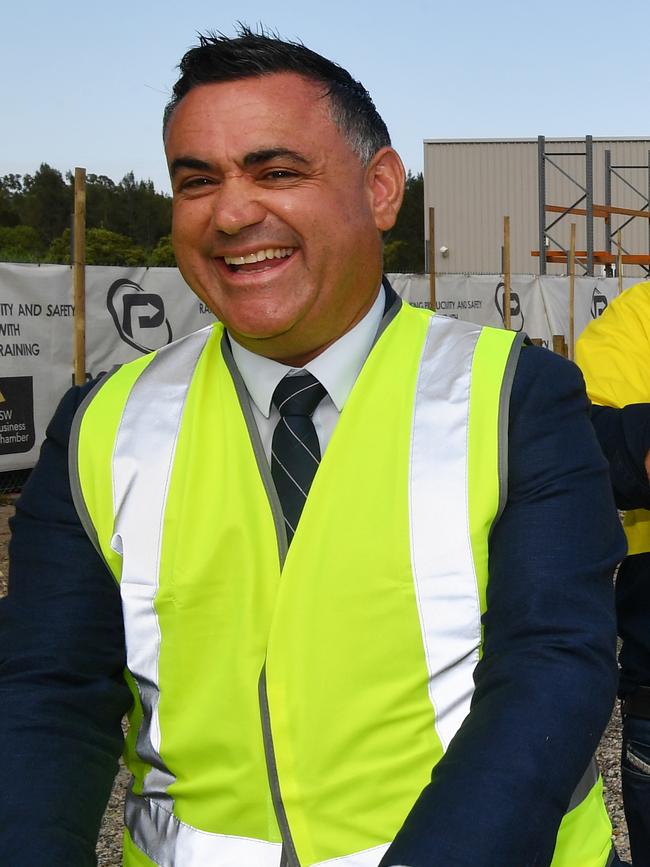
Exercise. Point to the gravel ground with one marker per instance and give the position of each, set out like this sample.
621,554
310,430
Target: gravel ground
108,848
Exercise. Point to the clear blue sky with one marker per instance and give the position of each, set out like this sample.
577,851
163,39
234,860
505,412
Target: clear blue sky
85,83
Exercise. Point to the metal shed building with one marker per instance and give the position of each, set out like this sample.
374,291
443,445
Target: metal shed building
474,183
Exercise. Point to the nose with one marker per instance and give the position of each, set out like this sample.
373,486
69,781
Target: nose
236,206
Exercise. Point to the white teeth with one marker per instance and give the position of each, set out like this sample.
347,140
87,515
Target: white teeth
259,256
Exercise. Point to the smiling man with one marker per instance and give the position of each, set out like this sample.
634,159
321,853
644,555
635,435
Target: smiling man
355,559
275,227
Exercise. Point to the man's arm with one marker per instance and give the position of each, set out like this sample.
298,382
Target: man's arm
613,353
624,436
62,690
547,681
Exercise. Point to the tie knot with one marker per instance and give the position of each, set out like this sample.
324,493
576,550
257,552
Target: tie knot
298,395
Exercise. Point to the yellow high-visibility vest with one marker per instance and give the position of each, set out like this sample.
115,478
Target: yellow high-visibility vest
613,353
295,702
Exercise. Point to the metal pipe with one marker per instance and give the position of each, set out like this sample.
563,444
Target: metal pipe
541,194
589,180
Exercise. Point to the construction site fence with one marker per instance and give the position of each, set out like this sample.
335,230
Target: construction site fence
132,311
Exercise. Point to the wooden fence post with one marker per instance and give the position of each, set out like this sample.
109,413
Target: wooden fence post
79,275
506,272
559,345
572,289
432,258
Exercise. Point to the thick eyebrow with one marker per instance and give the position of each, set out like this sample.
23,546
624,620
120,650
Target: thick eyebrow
189,163
266,154
252,159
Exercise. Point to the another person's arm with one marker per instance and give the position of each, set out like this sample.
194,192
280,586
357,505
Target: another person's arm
613,353
624,436
546,684
62,691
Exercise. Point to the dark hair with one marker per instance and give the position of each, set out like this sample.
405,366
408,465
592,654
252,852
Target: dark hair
248,54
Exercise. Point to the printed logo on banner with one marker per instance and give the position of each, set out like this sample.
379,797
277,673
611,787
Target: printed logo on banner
17,432
598,303
139,316
516,313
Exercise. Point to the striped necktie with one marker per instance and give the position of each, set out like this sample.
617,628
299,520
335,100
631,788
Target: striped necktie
295,451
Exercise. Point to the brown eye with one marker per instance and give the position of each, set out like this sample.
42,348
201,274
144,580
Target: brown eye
195,182
279,175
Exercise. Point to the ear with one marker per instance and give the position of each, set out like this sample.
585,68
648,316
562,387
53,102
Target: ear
385,179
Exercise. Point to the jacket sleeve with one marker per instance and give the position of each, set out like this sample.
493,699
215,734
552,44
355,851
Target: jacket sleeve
613,353
624,437
547,680
62,656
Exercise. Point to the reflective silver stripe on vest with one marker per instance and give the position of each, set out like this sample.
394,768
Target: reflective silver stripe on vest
441,551
142,461
366,858
586,784
372,857
171,843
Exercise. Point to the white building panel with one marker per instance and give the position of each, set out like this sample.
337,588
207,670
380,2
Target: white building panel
473,184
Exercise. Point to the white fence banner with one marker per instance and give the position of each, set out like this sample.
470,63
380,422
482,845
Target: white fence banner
131,311
539,306
479,299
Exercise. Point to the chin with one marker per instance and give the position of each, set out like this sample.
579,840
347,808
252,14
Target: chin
260,324
249,328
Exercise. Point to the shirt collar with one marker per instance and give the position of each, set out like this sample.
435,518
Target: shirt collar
337,368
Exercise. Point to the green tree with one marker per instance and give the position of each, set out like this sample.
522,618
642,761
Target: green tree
141,212
8,215
101,194
163,254
10,188
110,248
59,250
404,243
13,184
103,247
20,244
45,202
394,254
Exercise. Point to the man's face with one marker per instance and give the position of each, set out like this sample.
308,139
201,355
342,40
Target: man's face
276,223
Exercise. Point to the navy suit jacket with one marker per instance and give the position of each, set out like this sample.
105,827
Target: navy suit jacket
624,436
544,687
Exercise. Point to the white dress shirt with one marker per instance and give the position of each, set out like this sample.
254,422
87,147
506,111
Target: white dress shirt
336,368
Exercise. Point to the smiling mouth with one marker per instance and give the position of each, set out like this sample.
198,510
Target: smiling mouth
259,260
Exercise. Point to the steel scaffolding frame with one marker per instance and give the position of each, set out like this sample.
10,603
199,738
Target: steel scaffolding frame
545,158
610,231
586,258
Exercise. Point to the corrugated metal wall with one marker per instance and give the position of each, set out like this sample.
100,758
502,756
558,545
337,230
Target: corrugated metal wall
473,184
